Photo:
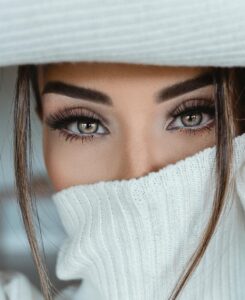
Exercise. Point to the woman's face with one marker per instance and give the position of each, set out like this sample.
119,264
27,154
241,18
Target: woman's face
107,121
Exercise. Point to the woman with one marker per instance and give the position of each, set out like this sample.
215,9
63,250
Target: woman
137,195
125,121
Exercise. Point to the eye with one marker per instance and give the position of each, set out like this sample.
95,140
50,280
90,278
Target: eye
77,123
86,126
192,119
193,116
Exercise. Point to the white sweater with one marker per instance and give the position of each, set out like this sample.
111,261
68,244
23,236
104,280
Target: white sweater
220,274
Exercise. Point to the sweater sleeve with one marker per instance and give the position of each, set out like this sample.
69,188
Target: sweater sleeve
15,286
240,184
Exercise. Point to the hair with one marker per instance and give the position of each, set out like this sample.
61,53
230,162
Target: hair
229,119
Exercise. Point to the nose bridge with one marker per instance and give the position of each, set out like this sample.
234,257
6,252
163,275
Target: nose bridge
137,157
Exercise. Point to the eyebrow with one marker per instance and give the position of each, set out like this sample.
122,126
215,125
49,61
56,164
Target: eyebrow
74,91
96,96
189,85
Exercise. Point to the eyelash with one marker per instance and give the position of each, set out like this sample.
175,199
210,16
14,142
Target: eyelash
61,119
192,106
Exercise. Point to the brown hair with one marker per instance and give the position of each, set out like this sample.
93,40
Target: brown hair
230,111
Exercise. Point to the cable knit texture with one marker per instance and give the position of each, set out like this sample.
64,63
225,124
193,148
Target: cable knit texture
131,239
161,32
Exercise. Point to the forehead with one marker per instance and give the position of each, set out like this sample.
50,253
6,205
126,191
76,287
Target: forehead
104,70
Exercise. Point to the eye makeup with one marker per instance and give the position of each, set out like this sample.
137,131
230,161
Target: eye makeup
61,120
65,117
194,107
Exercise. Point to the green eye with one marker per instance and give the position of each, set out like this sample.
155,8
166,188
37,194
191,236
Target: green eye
191,119
87,127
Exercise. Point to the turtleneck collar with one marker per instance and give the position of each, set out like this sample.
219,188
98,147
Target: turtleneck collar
132,238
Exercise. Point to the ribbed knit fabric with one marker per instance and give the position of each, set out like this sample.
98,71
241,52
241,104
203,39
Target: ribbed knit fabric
131,239
162,32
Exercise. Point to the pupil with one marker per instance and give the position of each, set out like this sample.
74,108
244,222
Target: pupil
87,127
192,119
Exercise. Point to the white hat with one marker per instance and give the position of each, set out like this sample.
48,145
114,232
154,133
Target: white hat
162,32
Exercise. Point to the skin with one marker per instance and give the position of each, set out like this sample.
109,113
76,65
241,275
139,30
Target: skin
137,141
